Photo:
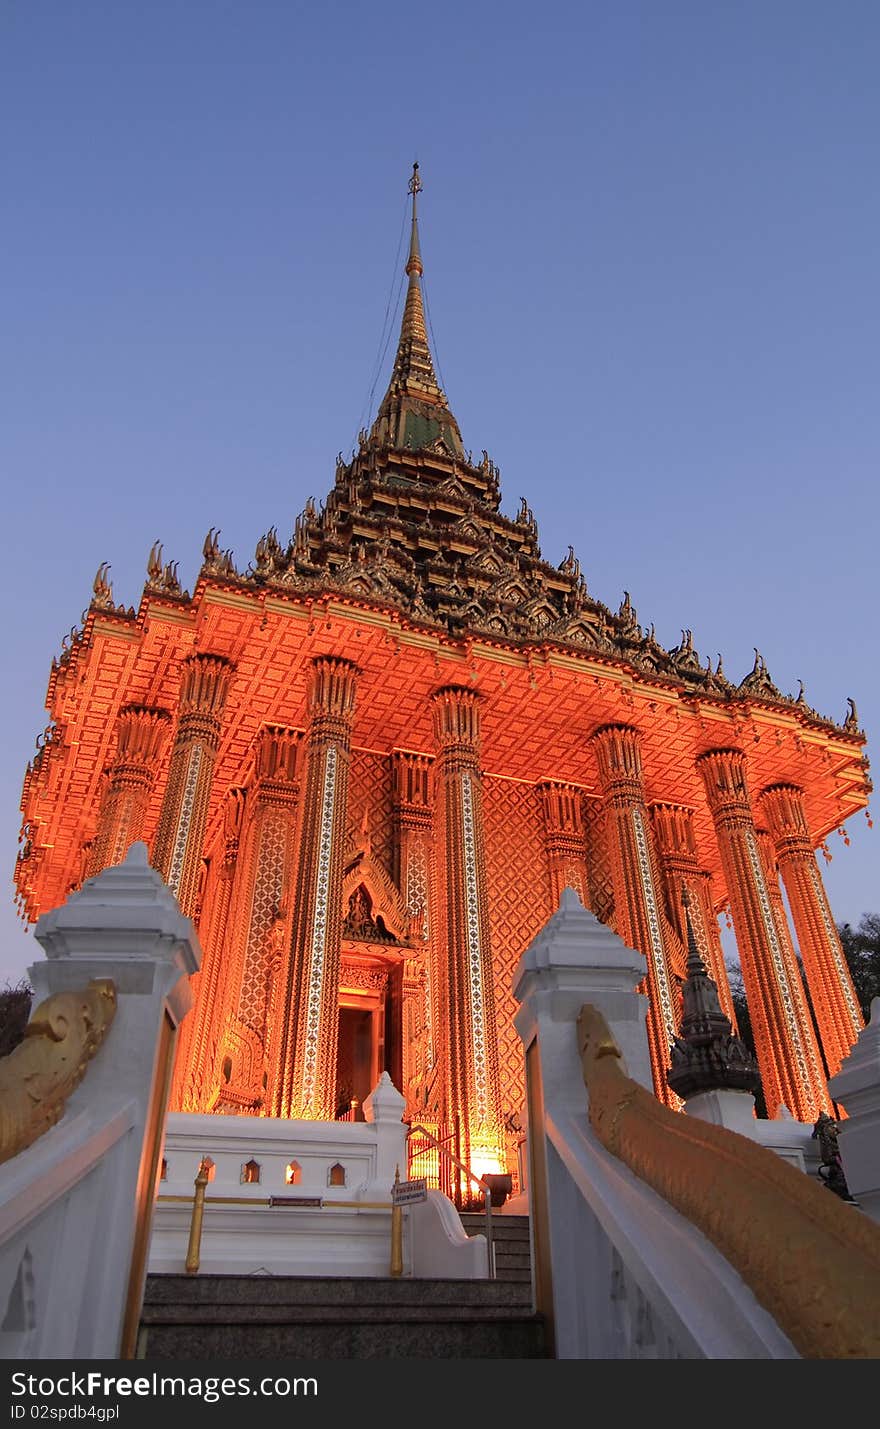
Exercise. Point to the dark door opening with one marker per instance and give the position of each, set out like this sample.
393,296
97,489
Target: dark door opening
354,1062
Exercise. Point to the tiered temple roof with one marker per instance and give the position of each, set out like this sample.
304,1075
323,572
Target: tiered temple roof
412,546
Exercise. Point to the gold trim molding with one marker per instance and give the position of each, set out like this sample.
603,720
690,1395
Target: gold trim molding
37,1077
812,1261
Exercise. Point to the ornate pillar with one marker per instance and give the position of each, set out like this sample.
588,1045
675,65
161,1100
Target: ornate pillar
308,1007
414,835
676,846
564,840
200,1039
259,920
774,892
140,735
178,848
788,1055
471,1045
637,906
834,1000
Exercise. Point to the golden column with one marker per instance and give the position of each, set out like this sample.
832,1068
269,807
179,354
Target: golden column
259,919
471,1044
199,1039
308,1010
177,852
774,890
413,827
140,736
833,996
637,908
673,827
788,1054
564,839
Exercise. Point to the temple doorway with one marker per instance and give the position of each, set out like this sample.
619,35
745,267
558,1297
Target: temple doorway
370,1025
357,1069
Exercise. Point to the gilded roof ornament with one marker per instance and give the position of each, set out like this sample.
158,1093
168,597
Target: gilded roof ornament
627,615
851,723
758,682
102,590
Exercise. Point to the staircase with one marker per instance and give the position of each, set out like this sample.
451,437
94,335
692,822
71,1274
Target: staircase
192,1317
510,1234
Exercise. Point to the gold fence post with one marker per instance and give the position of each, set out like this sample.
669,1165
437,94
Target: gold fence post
195,1230
396,1232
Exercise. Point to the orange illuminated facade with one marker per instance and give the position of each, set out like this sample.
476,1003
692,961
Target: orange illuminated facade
368,765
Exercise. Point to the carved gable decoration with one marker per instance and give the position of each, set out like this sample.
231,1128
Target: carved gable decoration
510,589
580,631
374,909
487,563
470,529
365,577
453,487
540,613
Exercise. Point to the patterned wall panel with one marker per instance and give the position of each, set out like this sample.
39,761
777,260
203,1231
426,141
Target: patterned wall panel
370,791
520,902
599,868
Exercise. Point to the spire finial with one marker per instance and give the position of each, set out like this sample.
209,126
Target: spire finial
414,412
414,262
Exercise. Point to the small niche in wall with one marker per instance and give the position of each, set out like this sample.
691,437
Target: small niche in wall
336,1175
293,1174
250,1173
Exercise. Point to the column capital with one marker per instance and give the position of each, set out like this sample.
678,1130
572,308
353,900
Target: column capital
563,808
141,732
783,805
724,777
333,687
413,776
276,759
457,717
674,829
204,684
618,749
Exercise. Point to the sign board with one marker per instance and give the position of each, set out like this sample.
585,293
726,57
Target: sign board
403,1193
302,1202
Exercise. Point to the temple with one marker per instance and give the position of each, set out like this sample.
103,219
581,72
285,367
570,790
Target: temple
368,765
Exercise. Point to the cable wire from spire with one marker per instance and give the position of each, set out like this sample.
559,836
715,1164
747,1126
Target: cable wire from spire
434,348
387,326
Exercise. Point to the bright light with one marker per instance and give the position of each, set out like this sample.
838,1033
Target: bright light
485,1161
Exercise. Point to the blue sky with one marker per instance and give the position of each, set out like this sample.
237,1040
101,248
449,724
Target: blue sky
650,234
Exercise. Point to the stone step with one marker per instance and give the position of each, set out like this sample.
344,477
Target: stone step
266,1317
511,1238
340,1291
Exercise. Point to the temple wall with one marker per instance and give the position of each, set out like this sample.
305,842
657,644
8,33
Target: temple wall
520,903
370,792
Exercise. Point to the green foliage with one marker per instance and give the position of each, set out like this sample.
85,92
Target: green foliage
15,1009
861,946
744,1024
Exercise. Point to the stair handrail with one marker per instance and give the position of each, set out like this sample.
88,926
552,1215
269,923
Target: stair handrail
477,1180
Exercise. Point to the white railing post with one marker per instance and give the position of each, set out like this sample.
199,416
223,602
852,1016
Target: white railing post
857,1087
574,959
123,925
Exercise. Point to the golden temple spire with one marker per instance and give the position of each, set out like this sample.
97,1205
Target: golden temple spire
414,412
414,264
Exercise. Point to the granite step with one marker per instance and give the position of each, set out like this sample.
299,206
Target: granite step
307,1317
